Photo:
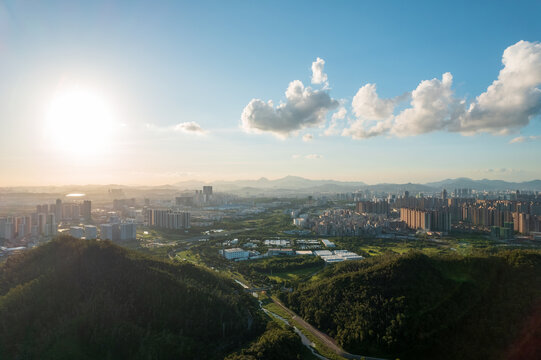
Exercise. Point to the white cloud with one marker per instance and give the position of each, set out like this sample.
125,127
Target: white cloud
514,98
318,76
307,137
508,104
521,139
190,127
304,108
433,107
309,156
340,114
358,129
368,105
336,117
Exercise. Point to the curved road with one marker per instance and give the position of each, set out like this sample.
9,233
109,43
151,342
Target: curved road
327,340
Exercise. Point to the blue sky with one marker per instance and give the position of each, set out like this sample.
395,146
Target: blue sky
176,77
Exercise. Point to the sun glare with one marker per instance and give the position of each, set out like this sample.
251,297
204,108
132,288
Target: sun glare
79,122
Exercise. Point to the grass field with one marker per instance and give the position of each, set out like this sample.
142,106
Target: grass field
294,274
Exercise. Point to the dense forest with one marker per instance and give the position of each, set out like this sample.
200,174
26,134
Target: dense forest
73,299
419,307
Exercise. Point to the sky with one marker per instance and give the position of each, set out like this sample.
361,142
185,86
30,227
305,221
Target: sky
157,92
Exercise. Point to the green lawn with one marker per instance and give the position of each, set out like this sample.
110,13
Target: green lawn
294,274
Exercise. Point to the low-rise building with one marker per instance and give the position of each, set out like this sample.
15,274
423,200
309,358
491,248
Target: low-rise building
277,252
77,232
236,254
328,243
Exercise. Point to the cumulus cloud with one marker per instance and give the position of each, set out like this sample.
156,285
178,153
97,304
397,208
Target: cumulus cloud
514,98
304,108
433,107
190,127
509,103
368,105
307,137
521,139
318,76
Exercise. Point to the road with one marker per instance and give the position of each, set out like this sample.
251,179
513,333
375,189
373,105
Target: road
325,339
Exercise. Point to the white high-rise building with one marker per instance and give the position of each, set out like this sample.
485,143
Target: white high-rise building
106,232
91,232
128,231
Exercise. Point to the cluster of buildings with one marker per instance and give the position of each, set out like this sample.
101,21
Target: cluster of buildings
346,222
497,216
429,220
198,198
44,221
118,231
329,256
168,219
337,255
464,209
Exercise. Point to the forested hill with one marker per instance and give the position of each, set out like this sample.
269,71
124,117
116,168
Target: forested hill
73,299
419,307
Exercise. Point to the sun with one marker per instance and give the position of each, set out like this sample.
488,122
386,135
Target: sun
79,121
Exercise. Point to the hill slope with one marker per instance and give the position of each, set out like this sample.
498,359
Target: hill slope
72,299
420,307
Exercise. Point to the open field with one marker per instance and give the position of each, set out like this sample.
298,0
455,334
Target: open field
294,274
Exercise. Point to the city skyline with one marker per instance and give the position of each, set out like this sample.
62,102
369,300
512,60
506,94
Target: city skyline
136,94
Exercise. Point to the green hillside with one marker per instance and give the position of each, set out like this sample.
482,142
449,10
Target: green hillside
72,299
419,307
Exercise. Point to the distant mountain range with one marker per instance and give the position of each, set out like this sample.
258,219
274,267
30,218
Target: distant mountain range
288,182
290,185
306,185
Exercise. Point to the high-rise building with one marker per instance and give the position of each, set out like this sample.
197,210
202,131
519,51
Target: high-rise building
91,232
86,210
128,231
51,228
7,228
430,220
58,210
106,232
42,224
169,219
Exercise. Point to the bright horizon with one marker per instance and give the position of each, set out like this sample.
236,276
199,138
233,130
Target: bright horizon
150,94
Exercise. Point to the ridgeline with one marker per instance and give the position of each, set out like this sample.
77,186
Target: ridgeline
420,307
73,299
